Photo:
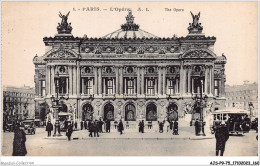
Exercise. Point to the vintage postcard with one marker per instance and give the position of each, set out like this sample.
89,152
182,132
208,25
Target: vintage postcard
129,79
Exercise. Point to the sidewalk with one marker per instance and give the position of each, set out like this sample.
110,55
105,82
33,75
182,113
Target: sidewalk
185,132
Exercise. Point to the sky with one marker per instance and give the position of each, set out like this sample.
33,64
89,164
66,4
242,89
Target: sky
24,24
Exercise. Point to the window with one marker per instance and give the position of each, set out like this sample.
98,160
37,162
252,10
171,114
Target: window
43,88
170,86
108,86
61,83
130,86
87,86
150,86
216,87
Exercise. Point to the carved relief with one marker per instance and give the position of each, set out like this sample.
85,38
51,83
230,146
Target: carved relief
61,53
61,69
130,49
198,53
86,70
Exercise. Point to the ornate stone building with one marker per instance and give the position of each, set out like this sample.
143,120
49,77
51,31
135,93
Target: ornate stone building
240,96
129,74
18,102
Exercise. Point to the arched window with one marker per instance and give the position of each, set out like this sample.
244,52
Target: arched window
109,112
151,112
130,112
87,112
172,113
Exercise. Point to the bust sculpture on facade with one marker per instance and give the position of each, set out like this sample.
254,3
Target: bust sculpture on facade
64,27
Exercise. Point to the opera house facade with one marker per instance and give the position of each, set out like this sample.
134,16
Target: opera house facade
129,74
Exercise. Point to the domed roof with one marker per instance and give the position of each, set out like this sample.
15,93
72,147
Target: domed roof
129,30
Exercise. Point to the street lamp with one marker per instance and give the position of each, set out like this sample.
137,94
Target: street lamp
200,102
251,107
56,105
25,106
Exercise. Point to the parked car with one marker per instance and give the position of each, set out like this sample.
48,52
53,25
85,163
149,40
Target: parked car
9,127
29,126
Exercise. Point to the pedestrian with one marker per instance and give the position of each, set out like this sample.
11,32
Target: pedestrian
69,130
140,126
221,135
95,128
108,126
100,124
120,127
90,128
171,124
115,123
81,125
76,125
167,125
150,124
85,125
19,148
196,127
49,128
175,128
127,125
161,126
56,127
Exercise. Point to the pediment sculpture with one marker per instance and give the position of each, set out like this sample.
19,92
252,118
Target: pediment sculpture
199,53
61,54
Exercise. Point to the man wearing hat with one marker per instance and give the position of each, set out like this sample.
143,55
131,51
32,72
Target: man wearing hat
49,128
221,135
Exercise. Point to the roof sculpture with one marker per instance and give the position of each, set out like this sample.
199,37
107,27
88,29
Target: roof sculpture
129,30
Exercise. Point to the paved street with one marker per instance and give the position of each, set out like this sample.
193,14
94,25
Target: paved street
132,143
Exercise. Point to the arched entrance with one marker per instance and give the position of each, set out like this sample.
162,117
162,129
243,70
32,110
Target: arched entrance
151,112
44,108
87,112
63,108
109,112
130,112
172,113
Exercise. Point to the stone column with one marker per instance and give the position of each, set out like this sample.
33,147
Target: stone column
142,81
95,81
121,83
83,86
100,80
138,80
78,79
219,88
164,80
192,85
47,80
181,79
184,80
177,86
52,80
211,82
189,79
117,81
70,80
67,85
74,80
159,81
206,80
155,86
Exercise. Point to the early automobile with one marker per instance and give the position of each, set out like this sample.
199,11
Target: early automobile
64,118
236,119
29,126
9,127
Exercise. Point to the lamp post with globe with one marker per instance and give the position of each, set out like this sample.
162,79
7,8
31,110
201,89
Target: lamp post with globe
199,105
